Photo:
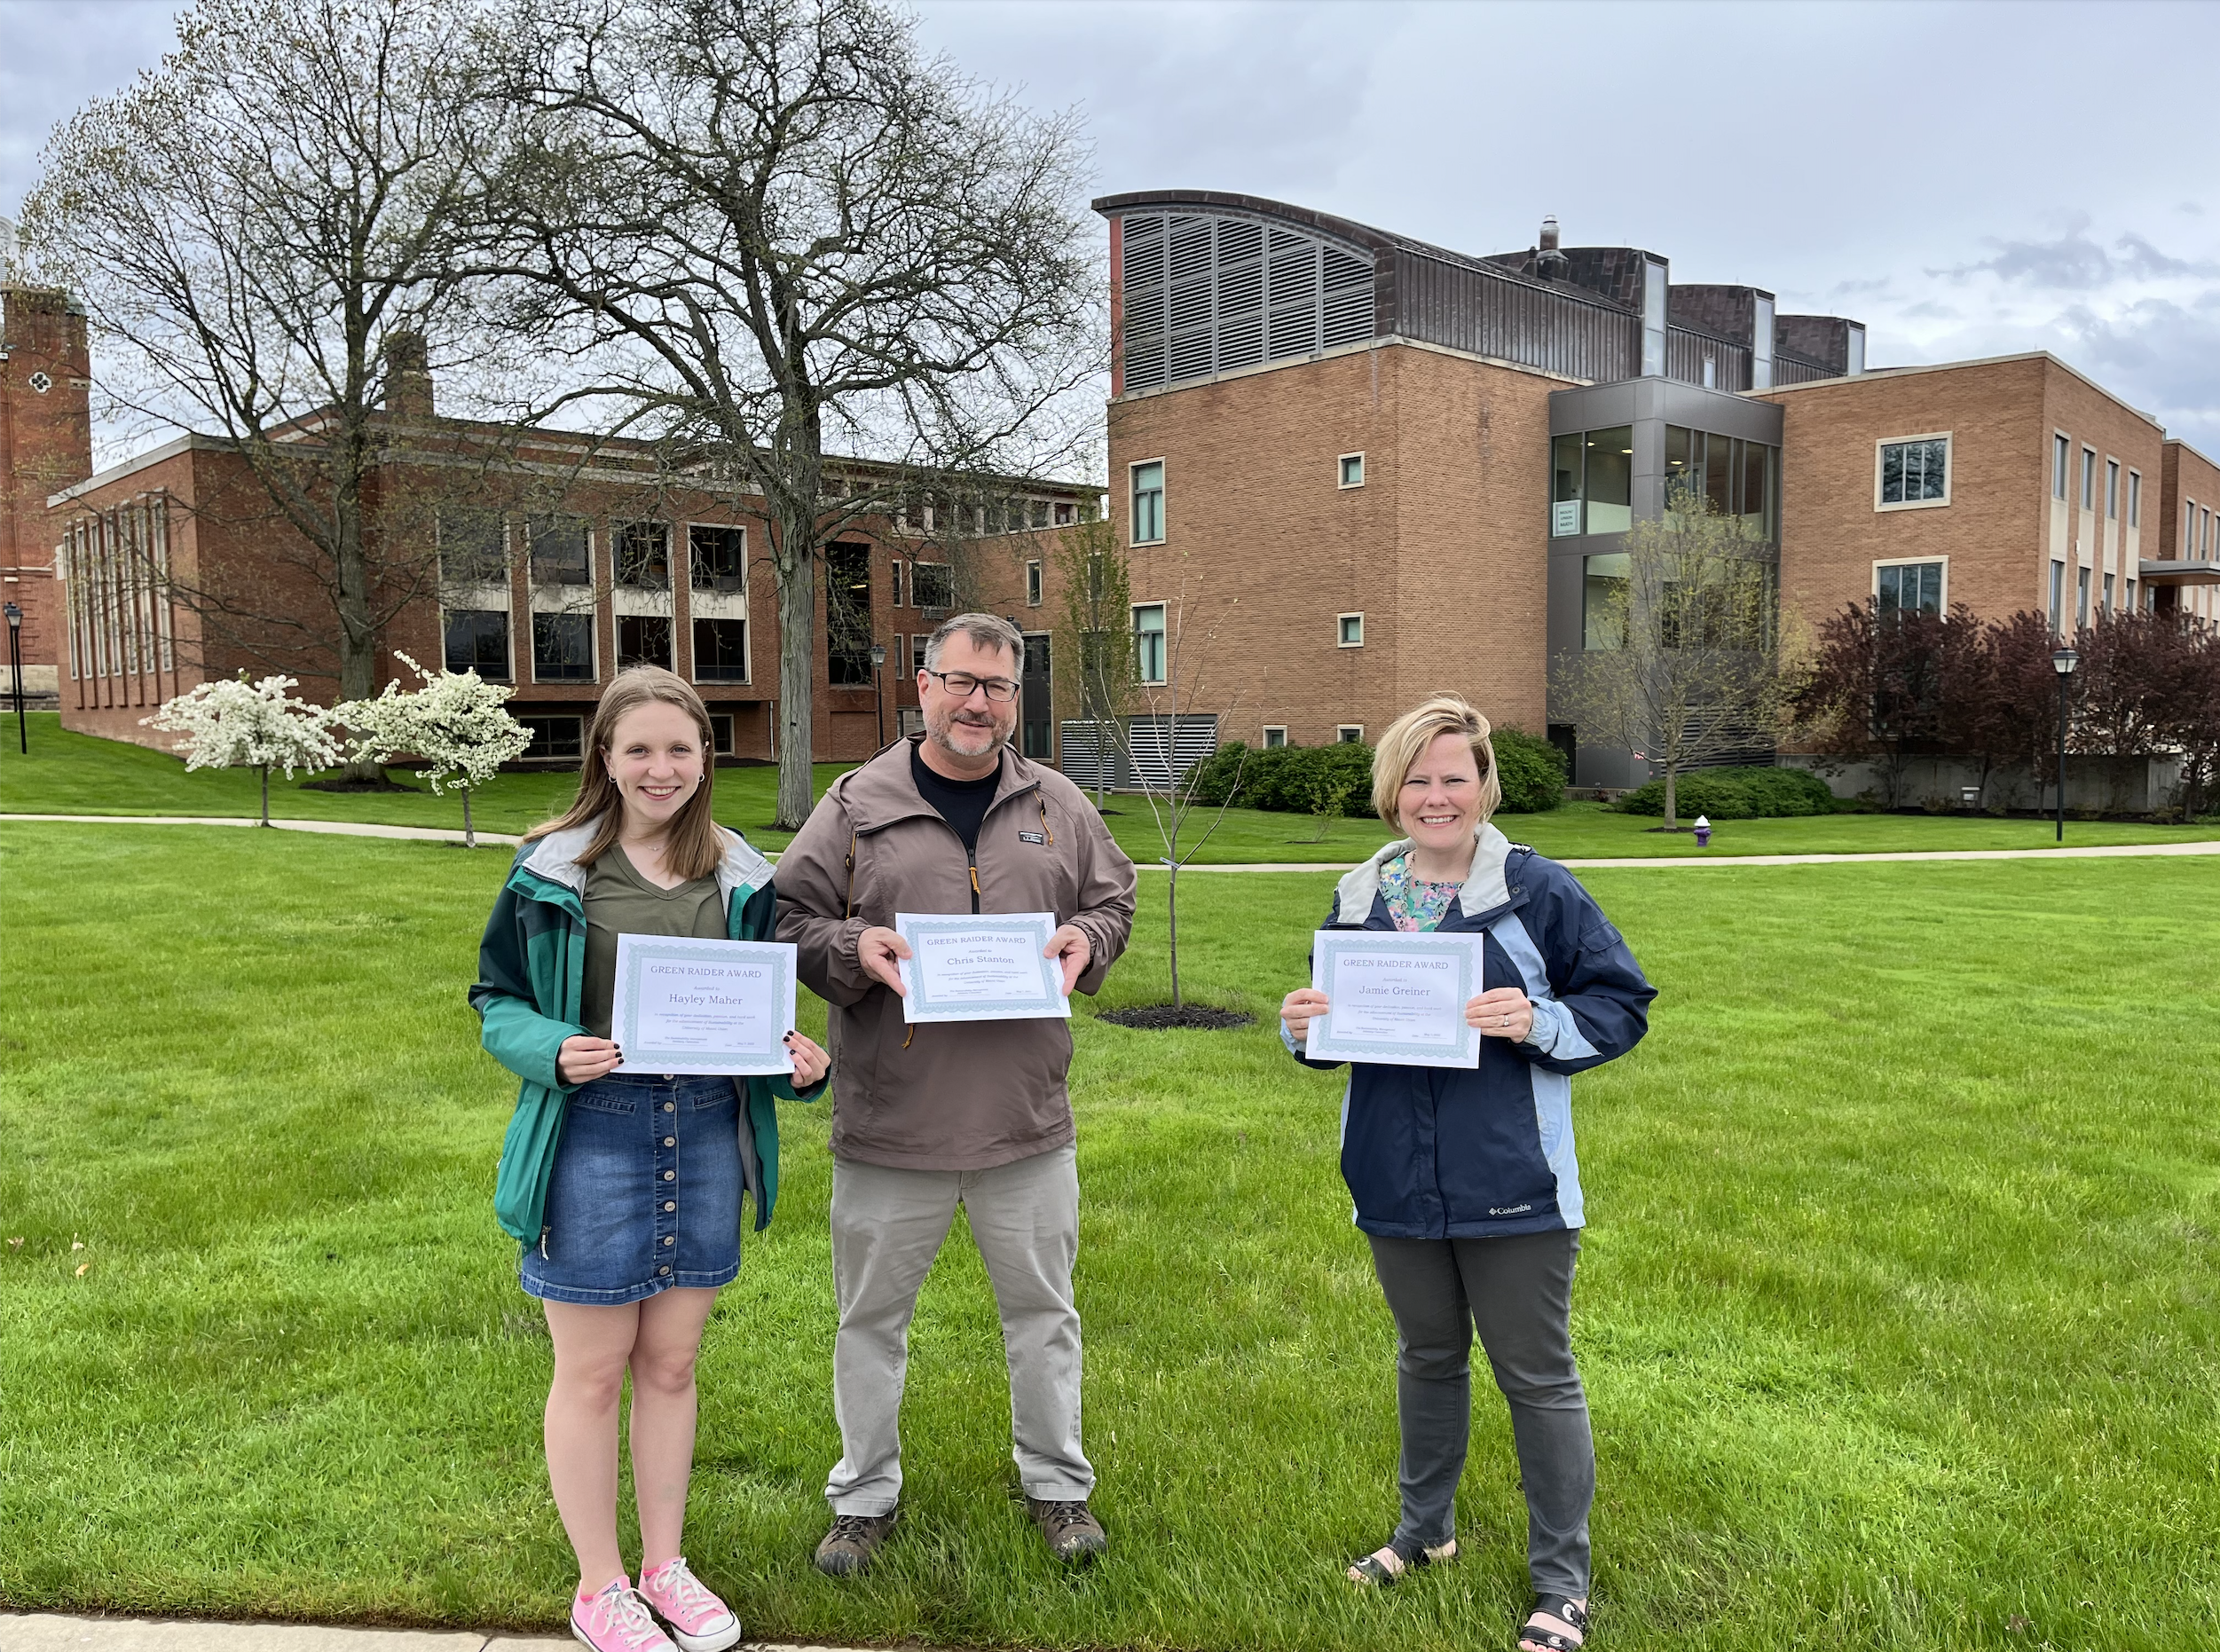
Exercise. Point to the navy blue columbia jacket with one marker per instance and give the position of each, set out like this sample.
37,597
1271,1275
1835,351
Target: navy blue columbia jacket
1460,1152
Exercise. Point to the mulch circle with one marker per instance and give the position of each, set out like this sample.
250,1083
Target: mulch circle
1157,1018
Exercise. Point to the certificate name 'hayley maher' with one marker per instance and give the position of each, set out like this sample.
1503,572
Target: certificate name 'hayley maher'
972,968
702,1006
1394,998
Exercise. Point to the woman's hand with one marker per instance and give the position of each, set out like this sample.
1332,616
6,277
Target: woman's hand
1501,1012
810,1060
581,1059
1297,1008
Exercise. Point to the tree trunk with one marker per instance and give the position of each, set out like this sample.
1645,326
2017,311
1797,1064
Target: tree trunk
470,838
797,566
265,794
1171,907
1671,802
350,583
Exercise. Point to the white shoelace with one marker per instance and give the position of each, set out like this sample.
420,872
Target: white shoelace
675,1581
622,1612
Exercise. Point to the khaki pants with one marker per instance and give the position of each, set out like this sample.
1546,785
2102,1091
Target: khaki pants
887,1226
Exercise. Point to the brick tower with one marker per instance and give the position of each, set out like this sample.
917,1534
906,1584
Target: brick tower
45,446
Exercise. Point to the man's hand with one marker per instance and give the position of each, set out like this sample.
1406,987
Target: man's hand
1071,943
876,949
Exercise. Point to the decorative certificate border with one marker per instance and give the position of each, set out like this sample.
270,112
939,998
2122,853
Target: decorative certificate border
638,950
1329,944
1035,927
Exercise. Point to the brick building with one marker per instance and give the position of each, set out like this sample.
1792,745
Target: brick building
1352,468
537,558
45,444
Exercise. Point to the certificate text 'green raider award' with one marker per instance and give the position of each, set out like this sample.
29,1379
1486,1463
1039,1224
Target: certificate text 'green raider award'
1397,999
702,1006
979,968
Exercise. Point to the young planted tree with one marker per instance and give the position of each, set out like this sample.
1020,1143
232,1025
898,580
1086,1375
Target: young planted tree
1682,665
237,724
777,226
457,725
263,230
1097,634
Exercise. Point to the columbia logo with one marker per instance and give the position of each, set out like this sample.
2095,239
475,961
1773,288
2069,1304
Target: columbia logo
1509,1210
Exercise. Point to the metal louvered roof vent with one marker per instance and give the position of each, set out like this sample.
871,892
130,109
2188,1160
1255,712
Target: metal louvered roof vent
1549,262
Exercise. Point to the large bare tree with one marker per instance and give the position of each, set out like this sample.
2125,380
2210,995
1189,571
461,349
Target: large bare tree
780,233
261,230
1681,664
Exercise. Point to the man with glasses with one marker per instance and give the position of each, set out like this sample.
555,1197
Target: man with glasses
929,1116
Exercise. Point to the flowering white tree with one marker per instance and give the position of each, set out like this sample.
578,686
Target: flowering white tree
454,725
237,724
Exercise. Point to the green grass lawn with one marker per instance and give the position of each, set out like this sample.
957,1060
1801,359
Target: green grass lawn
70,774
1898,1312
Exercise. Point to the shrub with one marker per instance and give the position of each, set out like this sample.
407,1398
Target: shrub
1531,770
1288,778
1736,794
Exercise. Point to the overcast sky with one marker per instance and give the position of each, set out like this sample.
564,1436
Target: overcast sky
1968,180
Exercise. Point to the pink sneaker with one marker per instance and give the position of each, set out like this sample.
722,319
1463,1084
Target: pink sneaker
699,1620
617,1620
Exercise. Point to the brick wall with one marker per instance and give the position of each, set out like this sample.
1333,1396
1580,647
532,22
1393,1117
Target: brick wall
2177,524
45,446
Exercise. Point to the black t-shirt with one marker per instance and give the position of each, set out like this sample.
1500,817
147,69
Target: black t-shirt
961,803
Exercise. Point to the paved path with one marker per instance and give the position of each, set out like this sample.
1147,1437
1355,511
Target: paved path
43,1632
361,828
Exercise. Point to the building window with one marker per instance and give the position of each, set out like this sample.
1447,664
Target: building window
721,650
718,555
559,549
563,647
1352,470
644,555
2080,600
477,639
1033,584
1036,513
1913,471
931,584
2058,594
917,653
1064,514
1149,660
1656,280
473,548
720,733
2135,498
1604,584
2107,609
2061,459
2089,478
1349,733
1275,736
2112,488
848,614
643,640
1908,587
1350,631
2131,602
1591,481
1148,503
894,583
553,739
2189,527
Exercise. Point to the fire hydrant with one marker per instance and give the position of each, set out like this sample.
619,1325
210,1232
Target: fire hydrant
1702,832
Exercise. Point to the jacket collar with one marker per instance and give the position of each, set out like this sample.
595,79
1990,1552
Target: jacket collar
883,791
1485,887
555,858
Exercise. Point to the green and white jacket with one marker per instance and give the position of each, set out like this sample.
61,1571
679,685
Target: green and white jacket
531,975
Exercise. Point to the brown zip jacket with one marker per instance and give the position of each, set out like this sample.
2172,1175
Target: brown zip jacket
950,1095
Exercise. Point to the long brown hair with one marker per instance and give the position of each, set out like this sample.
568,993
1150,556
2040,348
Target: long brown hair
692,848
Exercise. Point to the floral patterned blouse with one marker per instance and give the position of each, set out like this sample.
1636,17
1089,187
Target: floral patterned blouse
1416,906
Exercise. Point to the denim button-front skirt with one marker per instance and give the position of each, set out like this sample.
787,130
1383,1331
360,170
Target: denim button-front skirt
645,1193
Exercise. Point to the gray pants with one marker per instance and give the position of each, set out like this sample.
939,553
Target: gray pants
1519,1292
887,1226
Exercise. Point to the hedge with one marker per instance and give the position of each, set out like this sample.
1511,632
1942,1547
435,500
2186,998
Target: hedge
1292,778
1735,794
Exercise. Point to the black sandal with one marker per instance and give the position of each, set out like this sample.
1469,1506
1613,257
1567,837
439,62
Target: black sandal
1383,1567
1558,1606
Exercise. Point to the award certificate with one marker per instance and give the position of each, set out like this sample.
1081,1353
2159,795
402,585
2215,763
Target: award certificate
1394,998
702,1006
981,968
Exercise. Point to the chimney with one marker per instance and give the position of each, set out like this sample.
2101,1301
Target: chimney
408,381
1550,264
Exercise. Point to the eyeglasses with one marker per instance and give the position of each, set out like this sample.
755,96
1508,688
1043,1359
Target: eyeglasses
962,684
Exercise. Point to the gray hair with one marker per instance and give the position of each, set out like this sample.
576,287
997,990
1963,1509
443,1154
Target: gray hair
986,631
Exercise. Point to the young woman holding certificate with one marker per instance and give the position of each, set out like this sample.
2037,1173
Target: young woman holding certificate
624,1187
1463,1175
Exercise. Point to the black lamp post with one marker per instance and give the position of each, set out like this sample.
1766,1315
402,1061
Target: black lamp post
2063,660
878,681
15,672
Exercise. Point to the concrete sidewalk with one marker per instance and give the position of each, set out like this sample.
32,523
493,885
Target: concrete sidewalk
45,1632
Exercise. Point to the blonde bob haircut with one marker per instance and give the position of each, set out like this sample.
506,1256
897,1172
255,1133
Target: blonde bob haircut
693,846
1406,739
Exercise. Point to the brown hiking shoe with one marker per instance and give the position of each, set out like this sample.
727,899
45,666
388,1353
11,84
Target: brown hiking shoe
848,1548
1074,1535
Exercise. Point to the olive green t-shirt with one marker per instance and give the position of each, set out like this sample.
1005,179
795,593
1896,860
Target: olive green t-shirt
619,901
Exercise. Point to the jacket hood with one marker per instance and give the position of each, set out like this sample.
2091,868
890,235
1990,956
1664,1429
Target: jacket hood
883,791
556,858
1484,887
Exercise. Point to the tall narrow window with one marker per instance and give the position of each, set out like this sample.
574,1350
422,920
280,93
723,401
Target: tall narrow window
2112,488
2061,461
2107,609
894,583
1656,277
1604,601
1564,486
2135,498
1033,584
1149,662
1761,342
848,614
2080,600
1148,503
2089,478
2058,594
1608,489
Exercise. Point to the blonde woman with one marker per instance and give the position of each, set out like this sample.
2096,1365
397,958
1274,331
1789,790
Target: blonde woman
624,1188
1464,1178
